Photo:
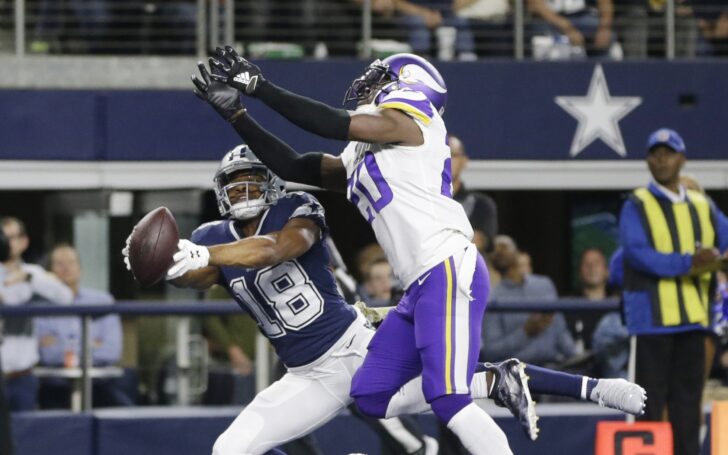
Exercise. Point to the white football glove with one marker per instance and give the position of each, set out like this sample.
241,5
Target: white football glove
189,257
125,252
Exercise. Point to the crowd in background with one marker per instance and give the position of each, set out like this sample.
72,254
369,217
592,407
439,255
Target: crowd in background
446,29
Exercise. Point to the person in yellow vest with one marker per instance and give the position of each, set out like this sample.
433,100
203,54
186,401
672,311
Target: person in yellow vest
673,239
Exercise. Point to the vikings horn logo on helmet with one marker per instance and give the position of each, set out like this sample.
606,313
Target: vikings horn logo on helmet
399,72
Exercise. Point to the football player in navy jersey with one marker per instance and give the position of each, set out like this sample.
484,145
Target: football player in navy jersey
270,255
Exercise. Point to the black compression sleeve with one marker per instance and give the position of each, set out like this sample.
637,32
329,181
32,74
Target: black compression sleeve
277,155
311,115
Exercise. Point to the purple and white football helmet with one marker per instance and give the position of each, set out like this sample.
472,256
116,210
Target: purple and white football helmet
399,72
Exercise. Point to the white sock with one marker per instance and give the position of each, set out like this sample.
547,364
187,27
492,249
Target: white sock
478,432
398,431
408,400
411,400
479,386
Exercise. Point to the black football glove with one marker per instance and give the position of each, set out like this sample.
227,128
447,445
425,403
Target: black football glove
223,98
235,71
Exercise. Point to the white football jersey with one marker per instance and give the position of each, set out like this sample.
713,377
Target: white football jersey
406,192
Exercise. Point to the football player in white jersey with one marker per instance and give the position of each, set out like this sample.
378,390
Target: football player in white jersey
396,171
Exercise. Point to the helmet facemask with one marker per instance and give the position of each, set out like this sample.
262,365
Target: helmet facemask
243,194
366,88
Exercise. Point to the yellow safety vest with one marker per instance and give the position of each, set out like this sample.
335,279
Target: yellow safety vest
679,228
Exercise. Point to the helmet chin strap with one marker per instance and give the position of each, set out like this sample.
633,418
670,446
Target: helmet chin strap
247,212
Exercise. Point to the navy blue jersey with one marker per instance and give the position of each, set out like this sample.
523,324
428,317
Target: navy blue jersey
296,303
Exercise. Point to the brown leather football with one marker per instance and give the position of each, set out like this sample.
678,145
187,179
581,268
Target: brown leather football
152,245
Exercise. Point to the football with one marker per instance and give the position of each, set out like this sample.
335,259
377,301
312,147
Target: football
151,247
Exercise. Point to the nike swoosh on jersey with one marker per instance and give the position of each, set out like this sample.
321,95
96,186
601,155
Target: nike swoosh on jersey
422,280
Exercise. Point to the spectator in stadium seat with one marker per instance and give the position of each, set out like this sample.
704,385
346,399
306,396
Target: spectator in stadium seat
536,338
59,338
366,256
21,283
525,264
378,284
423,17
686,28
584,27
491,23
672,239
713,24
593,278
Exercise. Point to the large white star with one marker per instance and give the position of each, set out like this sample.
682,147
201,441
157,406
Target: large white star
598,114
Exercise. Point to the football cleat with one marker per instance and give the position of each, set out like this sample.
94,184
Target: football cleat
510,391
619,394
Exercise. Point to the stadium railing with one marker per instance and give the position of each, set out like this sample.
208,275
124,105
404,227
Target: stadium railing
218,307
300,28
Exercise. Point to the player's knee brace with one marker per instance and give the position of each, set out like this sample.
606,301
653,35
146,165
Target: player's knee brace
446,406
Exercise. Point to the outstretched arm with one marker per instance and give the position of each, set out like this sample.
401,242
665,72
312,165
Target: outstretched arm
381,127
313,168
296,237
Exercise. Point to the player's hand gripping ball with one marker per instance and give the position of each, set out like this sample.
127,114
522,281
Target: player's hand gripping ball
151,246
189,256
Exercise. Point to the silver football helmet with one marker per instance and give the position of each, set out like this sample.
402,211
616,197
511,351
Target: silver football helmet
260,180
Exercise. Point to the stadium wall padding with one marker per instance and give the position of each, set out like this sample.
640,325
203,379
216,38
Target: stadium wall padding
189,433
503,110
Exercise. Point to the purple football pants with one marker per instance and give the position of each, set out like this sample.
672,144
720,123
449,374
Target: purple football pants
434,331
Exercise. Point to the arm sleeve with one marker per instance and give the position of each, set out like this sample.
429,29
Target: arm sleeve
640,254
311,115
277,155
